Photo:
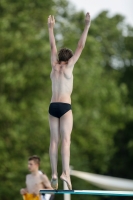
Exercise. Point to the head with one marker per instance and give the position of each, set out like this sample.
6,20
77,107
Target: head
65,54
33,163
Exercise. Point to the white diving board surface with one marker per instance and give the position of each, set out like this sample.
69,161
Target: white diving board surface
89,192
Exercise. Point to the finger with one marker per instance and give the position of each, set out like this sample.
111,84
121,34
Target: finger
49,20
53,19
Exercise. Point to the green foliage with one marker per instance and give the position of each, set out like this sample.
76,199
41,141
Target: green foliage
24,93
102,99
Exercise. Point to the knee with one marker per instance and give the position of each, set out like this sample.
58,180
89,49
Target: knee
66,141
54,143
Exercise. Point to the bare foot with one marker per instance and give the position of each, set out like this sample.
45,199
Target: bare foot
67,179
54,182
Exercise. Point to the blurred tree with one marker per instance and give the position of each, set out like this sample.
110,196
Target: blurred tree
123,155
24,90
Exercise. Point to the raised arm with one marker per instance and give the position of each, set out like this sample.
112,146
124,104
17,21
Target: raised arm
46,182
81,42
51,23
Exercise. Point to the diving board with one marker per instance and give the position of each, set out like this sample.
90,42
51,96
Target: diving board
89,192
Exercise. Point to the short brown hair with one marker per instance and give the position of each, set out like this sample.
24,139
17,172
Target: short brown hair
35,158
65,54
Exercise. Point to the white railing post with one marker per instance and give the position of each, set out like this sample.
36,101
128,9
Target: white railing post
66,196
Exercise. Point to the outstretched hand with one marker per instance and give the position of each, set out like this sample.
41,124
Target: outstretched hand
87,19
51,21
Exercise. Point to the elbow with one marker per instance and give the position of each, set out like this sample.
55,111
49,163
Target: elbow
52,46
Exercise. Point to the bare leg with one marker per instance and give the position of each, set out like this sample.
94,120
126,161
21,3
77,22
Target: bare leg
66,123
54,142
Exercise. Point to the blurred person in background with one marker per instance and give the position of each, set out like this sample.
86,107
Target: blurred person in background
36,181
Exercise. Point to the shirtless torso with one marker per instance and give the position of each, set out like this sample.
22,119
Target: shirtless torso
62,83
37,182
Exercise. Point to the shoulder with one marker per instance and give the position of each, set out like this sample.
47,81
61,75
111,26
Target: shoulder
68,71
43,177
69,66
55,65
28,176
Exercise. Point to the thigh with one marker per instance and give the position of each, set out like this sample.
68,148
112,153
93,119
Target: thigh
66,124
54,127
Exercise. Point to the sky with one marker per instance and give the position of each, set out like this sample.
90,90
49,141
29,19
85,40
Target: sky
123,7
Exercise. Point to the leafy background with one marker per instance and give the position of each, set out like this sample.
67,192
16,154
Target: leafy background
102,99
